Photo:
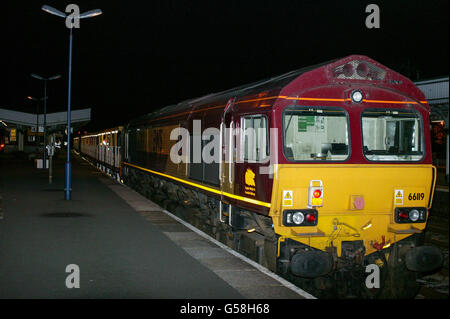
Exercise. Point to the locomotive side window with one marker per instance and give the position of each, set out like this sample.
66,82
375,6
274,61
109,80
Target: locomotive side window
392,135
254,137
315,134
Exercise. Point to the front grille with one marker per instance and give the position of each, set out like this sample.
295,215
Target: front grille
359,70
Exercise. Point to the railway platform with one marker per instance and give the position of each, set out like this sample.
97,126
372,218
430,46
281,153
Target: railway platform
112,242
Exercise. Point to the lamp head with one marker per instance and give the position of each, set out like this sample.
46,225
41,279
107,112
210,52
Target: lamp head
53,11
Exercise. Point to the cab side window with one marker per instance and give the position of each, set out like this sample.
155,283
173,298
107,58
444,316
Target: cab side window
254,138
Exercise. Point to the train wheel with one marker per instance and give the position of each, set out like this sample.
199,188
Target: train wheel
379,259
401,282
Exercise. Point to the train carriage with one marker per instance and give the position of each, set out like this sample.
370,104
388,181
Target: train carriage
103,149
315,174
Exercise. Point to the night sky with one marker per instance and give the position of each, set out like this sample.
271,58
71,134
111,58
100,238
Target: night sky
139,56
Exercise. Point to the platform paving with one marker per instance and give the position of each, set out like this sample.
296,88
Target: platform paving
124,245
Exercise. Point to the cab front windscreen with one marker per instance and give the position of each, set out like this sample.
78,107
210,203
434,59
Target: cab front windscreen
392,135
315,134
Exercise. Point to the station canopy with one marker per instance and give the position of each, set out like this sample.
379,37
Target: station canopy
55,122
436,93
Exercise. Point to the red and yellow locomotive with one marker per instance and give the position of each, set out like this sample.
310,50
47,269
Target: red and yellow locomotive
315,174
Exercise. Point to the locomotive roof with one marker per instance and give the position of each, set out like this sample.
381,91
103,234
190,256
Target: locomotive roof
271,84
247,89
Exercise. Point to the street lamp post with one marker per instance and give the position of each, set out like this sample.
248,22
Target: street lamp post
54,77
68,166
31,98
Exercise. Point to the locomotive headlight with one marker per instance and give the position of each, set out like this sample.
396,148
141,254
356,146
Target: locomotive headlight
301,217
414,215
410,215
356,96
298,218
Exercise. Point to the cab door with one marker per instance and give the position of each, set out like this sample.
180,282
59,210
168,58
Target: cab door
228,150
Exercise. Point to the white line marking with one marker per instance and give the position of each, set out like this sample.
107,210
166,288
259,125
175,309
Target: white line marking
262,269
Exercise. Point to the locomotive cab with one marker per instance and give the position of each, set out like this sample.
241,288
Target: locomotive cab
354,178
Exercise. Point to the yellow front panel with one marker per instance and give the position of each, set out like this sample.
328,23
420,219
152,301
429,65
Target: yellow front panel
381,188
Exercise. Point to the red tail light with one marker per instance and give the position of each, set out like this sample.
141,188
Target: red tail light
310,218
317,193
403,215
